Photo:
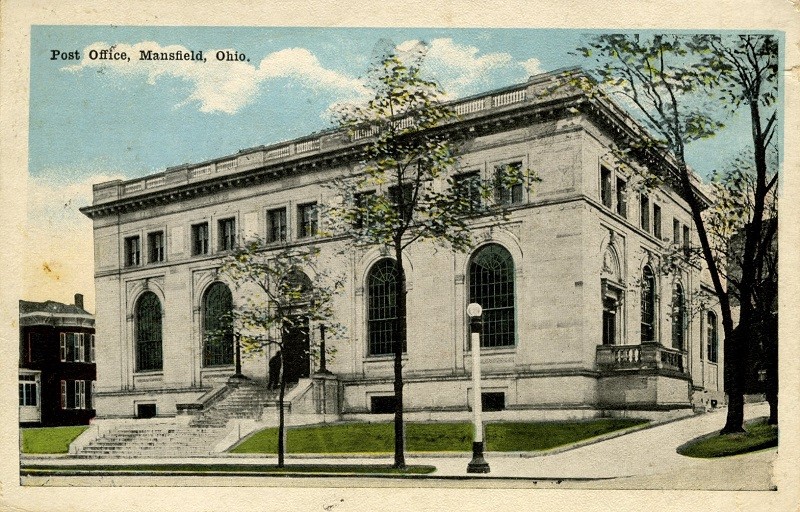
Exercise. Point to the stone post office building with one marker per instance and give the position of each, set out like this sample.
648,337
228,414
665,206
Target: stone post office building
584,320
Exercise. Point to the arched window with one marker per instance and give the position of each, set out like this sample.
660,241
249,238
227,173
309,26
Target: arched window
678,318
491,284
296,286
148,333
382,307
648,304
712,340
217,328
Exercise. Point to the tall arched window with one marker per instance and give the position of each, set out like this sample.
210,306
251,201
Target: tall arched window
148,333
648,304
217,328
678,318
491,284
382,307
712,340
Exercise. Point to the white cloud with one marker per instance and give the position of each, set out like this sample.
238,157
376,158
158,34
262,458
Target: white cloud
533,66
222,86
59,252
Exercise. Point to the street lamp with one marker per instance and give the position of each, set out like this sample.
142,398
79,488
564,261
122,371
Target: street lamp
478,464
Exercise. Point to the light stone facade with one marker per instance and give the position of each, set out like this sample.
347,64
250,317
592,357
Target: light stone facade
570,252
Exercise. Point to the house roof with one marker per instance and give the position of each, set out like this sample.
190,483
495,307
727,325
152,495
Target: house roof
52,307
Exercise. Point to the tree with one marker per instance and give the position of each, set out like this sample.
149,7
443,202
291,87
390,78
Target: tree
276,296
405,189
670,81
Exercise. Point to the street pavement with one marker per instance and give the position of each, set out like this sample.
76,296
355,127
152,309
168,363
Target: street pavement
643,459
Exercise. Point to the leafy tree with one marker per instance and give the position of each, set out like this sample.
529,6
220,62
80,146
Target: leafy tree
278,295
406,190
675,84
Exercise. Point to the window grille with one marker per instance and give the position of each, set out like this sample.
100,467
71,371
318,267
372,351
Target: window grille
382,308
217,328
491,284
148,333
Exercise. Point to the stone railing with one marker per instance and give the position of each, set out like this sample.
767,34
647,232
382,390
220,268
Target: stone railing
647,356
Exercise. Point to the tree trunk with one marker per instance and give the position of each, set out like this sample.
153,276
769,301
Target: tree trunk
281,418
734,379
399,342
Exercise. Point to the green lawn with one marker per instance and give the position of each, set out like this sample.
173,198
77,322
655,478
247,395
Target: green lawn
50,439
229,468
429,437
759,436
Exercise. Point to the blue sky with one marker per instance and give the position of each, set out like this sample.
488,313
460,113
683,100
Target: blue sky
91,121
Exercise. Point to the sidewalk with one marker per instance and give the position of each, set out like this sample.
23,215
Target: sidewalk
644,457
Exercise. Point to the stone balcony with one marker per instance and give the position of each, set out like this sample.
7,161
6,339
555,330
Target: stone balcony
650,356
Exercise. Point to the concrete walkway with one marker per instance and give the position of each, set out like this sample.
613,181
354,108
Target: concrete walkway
644,459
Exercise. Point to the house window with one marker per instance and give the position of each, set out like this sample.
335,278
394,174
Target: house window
605,187
227,234
648,304
132,251
91,348
622,205
72,346
148,333
28,391
491,284
678,318
200,239
73,395
276,225
155,244
78,343
508,184
644,213
64,346
467,187
657,221
306,220
364,202
217,326
407,200
712,340
382,308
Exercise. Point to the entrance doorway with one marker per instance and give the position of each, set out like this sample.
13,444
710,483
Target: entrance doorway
296,350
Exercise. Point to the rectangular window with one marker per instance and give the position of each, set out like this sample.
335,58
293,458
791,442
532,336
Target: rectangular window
80,394
467,187
363,202
227,234
687,240
276,225
657,221
155,244
407,199
605,187
508,184
71,346
644,213
493,401
79,346
28,391
64,394
132,251
676,232
622,205
306,220
382,404
91,348
63,338
200,239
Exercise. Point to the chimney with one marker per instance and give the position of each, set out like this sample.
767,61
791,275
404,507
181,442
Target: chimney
79,300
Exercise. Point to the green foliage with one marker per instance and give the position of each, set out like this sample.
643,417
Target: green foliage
432,437
408,151
759,435
277,288
49,439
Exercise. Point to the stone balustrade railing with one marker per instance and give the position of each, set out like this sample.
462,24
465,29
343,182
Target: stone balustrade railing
647,356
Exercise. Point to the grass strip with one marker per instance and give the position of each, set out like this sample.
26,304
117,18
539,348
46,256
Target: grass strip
49,439
231,468
378,438
759,436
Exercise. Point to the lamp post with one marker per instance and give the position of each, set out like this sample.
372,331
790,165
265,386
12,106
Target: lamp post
478,464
